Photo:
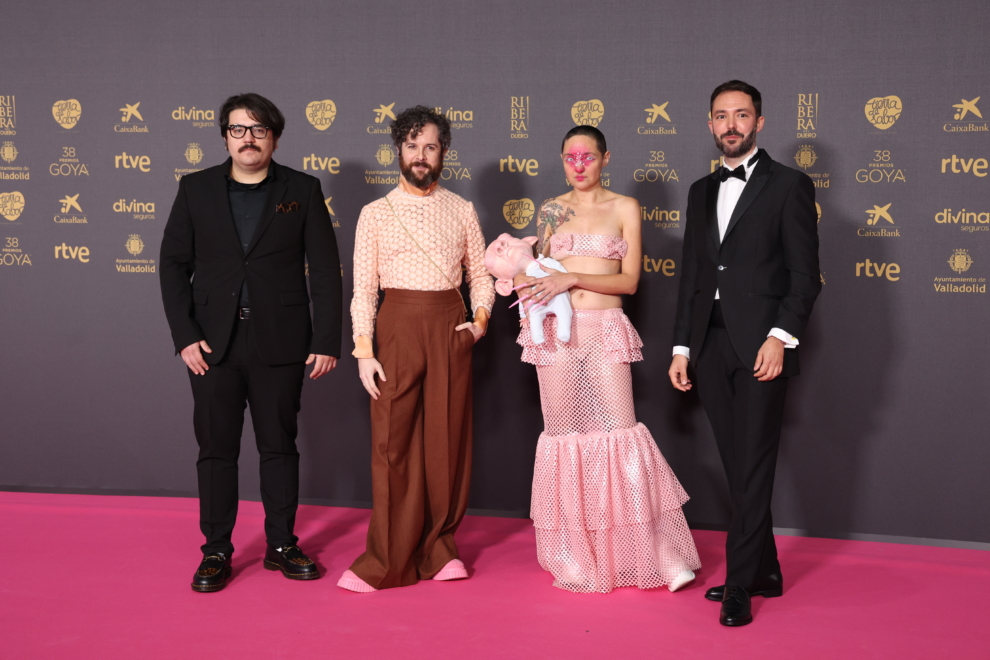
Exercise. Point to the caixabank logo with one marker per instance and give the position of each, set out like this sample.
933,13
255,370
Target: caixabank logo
70,211
8,114
966,118
12,254
382,114
960,262
588,113
658,121
879,223
134,265
9,171
131,120
518,212
321,114
67,113
884,111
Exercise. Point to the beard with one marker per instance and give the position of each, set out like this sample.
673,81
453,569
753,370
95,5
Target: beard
421,181
741,149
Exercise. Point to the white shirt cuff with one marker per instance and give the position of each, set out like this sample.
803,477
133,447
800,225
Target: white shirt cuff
789,340
682,350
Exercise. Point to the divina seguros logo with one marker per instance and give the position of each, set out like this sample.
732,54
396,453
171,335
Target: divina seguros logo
198,118
967,221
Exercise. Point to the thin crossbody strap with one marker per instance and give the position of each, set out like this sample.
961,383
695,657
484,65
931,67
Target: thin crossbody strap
427,255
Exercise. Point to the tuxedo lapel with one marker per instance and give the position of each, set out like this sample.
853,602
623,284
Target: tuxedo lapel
711,209
275,196
759,178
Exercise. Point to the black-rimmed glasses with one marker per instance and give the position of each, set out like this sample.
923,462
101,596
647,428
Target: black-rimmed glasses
237,131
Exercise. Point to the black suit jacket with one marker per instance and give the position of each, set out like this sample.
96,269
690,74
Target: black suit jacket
765,268
203,265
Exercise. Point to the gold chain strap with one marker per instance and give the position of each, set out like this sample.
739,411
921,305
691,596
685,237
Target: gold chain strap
427,255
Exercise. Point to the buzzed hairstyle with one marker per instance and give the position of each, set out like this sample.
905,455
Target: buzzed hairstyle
264,111
587,131
411,122
739,86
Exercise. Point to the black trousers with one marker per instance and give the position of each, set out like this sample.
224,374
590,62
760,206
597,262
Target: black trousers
220,397
746,417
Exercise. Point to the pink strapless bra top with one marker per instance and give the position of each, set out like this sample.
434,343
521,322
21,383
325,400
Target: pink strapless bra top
587,245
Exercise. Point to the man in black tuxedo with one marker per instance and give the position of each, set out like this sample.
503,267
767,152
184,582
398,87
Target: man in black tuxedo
233,279
749,280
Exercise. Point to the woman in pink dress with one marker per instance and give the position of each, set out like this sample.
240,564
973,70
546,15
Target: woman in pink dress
606,506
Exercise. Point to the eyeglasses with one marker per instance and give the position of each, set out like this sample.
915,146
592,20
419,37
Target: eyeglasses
238,131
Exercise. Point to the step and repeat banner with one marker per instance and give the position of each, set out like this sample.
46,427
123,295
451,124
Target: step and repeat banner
888,112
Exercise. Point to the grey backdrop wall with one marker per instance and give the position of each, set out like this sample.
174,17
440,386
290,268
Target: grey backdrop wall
103,105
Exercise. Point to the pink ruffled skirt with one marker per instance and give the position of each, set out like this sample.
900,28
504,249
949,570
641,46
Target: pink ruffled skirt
606,506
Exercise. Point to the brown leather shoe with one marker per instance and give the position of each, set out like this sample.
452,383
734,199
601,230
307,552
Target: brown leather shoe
212,573
292,562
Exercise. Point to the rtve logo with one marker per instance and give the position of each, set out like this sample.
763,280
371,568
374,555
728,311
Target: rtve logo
874,269
127,162
314,162
957,165
64,251
661,265
528,165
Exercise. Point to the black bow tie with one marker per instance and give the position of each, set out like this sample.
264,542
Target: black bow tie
726,173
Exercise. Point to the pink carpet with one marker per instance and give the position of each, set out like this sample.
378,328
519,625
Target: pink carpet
108,577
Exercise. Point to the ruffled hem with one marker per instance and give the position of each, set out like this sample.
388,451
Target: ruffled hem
609,328
646,555
598,481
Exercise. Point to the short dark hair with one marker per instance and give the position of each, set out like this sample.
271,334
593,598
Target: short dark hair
739,86
588,131
263,110
412,121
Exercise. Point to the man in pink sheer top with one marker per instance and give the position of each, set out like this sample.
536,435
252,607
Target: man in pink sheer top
412,243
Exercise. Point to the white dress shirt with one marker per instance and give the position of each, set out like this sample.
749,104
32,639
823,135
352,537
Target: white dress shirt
729,192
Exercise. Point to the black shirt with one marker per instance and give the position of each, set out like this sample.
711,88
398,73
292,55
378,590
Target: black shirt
247,203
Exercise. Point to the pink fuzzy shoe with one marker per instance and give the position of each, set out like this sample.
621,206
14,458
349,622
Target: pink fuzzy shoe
452,570
350,581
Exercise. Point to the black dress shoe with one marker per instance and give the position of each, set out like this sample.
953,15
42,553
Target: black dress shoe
292,562
736,610
212,573
771,587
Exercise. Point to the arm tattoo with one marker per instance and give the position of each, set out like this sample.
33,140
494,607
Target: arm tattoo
552,215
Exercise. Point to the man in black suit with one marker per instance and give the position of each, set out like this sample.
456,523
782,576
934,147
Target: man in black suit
749,280
233,279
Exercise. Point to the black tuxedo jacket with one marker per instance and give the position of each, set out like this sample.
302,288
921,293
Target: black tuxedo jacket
203,265
765,269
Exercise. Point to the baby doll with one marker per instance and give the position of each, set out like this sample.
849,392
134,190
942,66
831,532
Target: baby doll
507,257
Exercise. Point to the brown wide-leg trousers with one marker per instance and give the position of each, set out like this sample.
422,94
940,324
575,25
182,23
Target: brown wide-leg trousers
421,428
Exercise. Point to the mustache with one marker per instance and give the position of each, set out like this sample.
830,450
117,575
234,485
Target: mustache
248,146
731,132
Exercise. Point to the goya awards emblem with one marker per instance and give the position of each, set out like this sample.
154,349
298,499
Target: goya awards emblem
883,111
385,155
194,154
518,212
67,113
8,152
960,261
134,244
588,112
805,157
321,114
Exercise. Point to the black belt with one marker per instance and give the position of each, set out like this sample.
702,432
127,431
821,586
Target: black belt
716,320
244,313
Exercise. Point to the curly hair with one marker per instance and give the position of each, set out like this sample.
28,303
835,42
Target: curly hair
411,121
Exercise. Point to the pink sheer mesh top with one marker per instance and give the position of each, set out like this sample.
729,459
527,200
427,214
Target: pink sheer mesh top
566,244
